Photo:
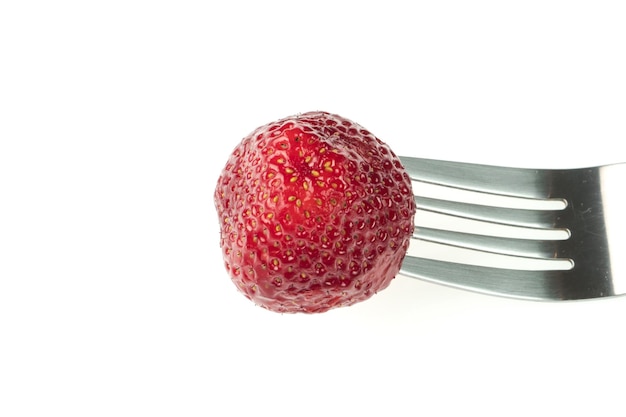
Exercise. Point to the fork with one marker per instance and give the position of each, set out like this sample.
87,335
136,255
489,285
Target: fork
539,234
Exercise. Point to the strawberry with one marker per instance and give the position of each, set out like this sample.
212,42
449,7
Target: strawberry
315,213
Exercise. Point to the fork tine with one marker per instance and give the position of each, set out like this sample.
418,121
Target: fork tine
482,251
489,244
538,219
532,285
521,182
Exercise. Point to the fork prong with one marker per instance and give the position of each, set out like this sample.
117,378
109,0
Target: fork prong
543,219
519,182
532,285
545,249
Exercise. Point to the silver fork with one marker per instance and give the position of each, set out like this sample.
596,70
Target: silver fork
541,234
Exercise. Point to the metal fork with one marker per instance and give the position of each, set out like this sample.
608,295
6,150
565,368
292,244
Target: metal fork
541,234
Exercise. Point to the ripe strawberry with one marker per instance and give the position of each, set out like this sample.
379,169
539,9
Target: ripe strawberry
315,213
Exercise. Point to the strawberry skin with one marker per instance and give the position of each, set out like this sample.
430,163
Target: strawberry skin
315,213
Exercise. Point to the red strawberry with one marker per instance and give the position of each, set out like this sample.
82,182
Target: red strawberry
315,213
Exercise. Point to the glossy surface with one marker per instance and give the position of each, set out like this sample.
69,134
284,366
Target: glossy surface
524,233
315,212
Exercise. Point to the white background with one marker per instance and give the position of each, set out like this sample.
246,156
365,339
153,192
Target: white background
115,120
